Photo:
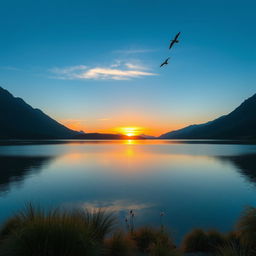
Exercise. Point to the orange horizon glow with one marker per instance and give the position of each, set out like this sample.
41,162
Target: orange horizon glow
129,131
106,126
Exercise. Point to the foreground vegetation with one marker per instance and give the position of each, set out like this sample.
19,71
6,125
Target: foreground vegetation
34,232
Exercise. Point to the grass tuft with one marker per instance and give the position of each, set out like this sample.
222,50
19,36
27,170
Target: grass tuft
147,238
55,233
119,244
246,227
195,241
233,249
215,239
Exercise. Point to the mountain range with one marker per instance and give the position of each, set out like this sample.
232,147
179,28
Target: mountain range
239,124
18,120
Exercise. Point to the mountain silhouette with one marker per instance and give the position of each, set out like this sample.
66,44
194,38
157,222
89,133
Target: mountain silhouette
18,120
239,124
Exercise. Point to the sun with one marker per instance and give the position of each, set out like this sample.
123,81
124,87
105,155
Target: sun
130,131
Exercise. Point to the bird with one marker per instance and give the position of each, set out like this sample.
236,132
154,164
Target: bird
165,62
175,40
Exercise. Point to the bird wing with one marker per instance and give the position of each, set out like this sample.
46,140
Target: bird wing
176,37
171,44
165,62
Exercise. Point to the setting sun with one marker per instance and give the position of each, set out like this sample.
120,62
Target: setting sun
130,131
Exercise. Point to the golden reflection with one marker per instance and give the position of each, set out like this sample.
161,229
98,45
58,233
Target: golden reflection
130,142
129,152
129,156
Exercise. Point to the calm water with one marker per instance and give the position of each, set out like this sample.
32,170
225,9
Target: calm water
197,185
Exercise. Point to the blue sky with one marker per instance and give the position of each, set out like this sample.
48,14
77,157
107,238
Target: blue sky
94,65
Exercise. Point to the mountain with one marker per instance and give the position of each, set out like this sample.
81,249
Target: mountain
145,136
239,124
18,120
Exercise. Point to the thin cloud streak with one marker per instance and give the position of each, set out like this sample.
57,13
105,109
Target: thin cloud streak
115,74
117,71
135,66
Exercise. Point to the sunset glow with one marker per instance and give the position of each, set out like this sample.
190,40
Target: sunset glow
130,131
145,126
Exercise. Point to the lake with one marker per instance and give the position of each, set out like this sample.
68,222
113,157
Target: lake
196,183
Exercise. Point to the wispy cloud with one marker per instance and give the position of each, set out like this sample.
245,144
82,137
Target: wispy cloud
117,71
67,73
114,74
135,66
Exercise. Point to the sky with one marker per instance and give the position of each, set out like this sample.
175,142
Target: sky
94,65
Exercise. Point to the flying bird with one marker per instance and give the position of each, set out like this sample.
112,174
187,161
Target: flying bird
165,62
175,40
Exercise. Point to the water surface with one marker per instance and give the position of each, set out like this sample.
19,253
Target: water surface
203,184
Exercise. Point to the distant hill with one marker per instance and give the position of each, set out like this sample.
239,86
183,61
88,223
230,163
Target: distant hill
18,120
239,124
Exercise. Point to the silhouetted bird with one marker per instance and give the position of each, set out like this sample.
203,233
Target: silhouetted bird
175,40
165,62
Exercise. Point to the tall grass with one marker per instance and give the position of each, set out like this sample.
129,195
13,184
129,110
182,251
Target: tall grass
120,244
215,239
200,241
233,249
246,227
29,213
34,232
161,249
195,241
148,238
100,222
